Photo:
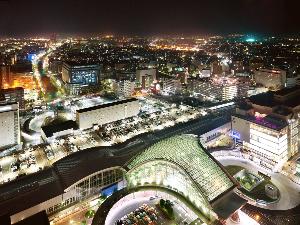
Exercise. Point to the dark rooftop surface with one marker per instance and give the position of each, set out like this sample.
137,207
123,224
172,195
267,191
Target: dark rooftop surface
40,218
8,103
80,64
16,198
286,91
268,121
267,99
106,105
282,111
244,106
11,89
228,204
49,130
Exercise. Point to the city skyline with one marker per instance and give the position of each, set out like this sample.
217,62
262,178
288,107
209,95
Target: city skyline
149,112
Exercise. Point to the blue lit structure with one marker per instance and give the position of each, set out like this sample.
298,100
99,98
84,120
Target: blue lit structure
31,56
109,190
77,76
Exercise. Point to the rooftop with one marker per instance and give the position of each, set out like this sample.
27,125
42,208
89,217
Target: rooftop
244,106
80,64
286,91
40,218
11,89
267,99
67,171
185,151
269,121
227,205
49,130
282,111
106,105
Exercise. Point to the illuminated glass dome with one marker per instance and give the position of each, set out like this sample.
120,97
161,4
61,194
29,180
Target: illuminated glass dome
182,165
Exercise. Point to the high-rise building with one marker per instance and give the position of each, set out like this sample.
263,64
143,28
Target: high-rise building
78,76
171,86
125,88
292,81
216,68
268,127
264,138
9,125
12,95
146,77
5,76
55,66
211,91
205,72
273,79
238,66
229,92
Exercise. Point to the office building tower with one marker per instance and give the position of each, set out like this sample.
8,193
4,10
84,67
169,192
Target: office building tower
5,76
12,95
125,88
77,76
146,77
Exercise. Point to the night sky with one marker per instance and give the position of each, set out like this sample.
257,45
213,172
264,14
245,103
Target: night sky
141,17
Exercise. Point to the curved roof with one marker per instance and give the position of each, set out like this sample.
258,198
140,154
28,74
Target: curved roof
67,171
185,151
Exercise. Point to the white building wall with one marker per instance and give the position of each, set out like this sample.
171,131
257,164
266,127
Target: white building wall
105,115
292,81
242,127
9,125
272,79
229,92
269,147
204,138
126,88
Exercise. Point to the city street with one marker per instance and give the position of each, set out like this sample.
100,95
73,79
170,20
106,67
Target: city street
289,191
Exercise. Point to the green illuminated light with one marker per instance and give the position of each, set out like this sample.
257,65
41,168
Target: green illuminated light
250,40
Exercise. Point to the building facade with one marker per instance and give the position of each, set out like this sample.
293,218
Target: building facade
51,132
98,115
12,95
77,77
273,79
5,76
146,77
268,146
9,125
171,86
125,88
264,139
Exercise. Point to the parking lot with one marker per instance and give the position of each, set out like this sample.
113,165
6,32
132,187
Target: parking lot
154,115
